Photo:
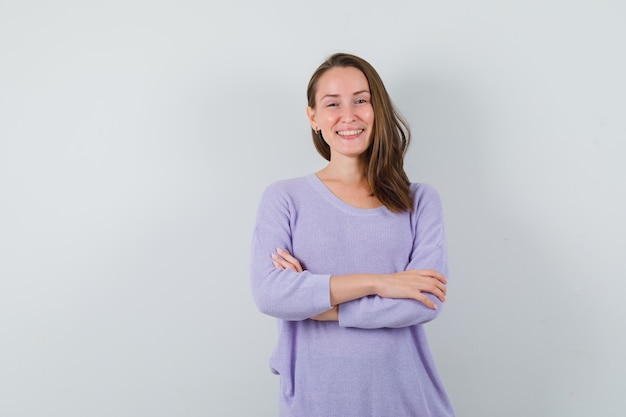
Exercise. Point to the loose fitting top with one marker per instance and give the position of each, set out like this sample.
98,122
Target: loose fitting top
375,361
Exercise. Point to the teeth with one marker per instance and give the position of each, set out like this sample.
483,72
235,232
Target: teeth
350,132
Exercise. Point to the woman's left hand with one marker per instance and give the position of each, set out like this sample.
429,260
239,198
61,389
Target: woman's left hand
284,260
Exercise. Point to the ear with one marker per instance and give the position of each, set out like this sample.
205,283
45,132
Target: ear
310,114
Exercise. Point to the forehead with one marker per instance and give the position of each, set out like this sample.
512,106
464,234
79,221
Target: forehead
341,80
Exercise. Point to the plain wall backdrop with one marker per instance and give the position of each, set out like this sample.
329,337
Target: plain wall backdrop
136,138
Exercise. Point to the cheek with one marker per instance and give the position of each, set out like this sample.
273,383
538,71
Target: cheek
329,118
326,123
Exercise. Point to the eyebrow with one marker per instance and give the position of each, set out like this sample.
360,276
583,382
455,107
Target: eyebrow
337,95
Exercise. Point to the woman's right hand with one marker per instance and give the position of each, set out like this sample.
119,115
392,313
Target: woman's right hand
413,284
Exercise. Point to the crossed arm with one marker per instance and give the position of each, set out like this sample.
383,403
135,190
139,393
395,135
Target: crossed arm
410,284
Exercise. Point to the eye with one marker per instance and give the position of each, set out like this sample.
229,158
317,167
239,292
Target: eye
361,101
331,105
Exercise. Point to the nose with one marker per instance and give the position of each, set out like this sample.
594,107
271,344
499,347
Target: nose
347,115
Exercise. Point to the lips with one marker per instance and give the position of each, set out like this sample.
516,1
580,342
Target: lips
350,133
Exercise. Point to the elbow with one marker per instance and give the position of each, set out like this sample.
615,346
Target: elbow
268,309
280,309
431,314
265,304
264,297
421,315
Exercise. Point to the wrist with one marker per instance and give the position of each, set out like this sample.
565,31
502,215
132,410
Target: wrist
375,284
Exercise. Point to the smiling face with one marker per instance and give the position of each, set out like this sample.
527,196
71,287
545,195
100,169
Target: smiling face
343,111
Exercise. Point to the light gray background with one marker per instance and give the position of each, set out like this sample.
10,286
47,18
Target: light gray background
137,136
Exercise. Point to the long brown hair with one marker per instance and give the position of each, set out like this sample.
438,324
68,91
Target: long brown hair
390,139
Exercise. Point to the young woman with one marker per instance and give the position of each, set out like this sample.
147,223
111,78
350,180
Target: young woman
352,260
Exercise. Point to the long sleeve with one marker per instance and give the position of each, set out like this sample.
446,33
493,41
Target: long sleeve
284,294
429,251
326,369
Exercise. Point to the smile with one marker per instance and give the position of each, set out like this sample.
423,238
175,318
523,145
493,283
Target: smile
350,132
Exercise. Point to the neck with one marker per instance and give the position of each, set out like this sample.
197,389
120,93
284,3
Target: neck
347,170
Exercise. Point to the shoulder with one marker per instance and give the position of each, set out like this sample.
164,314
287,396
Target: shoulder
422,190
285,194
286,187
425,195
